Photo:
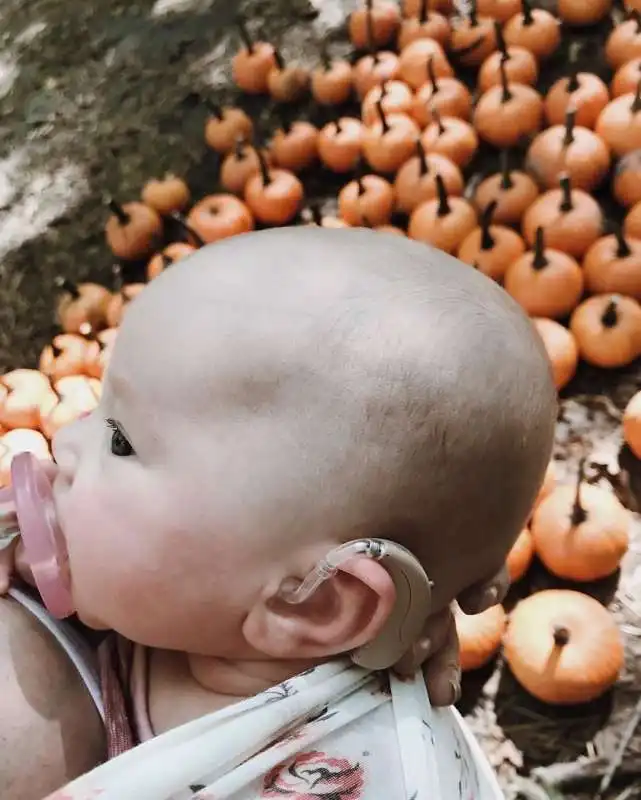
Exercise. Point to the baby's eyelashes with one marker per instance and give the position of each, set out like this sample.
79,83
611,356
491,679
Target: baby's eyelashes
120,444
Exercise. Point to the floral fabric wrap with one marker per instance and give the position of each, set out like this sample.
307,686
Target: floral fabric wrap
336,732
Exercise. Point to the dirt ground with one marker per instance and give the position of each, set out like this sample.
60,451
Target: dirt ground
95,98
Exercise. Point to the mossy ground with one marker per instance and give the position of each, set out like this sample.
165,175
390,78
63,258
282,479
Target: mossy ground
97,97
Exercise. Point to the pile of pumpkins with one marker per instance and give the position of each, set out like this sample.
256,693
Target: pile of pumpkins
405,157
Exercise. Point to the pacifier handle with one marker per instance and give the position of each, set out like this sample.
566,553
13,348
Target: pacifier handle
42,538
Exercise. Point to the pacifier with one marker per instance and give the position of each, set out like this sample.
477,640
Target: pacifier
27,510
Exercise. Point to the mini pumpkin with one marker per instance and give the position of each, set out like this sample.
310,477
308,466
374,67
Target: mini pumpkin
626,78
133,230
239,165
274,196
426,24
581,12
563,647
99,349
340,144
513,191
449,96
632,221
168,256
225,126
626,182
66,355
479,636
499,10
23,392
252,63
368,199
508,113
535,29
372,70
619,124
415,181
520,556
571,218
415,59
81,304
451,137
624,42
520,65
219,216
287,83
388,143
166,194
73,397
491,248
332,83
607,330
443,222
295,145
568,149
545,282
395,97
375,25
584,92
561,348
473,36
613,266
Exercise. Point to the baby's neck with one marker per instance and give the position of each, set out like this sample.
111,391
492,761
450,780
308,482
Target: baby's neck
240,679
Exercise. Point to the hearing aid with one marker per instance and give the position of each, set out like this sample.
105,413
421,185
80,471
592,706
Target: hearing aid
405,623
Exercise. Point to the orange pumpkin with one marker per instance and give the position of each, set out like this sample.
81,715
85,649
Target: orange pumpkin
416,180
563,647
607,330
561,348
443,222
520,556
581,532
491,248
513,192
613,265
479,636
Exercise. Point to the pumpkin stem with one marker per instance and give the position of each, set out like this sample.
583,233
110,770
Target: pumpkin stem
317,217
540,260
561,635
610,316
381,115
526,10
55,350
214,108
339,126
506,95
487,240
570,121
285,120
264,170
422,158
431,75
436,116
636,103
186,229
579,514
636,16
118,211
566,194
360,185
240,148
369,21
422,12
473,14
167,261
506,175
65,285
384,89
118,281
501,44
326,61
244,34
278,58
573,77
623,248
444,207
365,222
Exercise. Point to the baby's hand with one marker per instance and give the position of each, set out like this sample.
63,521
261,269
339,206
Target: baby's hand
437,650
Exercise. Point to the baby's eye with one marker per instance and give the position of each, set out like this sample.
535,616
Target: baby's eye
120,445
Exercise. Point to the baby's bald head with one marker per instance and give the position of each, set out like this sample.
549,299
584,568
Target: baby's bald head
348,383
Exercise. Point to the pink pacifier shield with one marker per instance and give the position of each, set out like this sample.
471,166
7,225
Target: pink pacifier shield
43,541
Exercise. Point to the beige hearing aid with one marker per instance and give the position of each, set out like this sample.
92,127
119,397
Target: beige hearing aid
413,598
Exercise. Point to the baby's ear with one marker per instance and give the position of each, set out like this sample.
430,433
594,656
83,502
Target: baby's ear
346,612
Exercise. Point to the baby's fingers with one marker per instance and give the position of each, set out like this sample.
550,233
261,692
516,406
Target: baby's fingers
485,594
433,638
442,672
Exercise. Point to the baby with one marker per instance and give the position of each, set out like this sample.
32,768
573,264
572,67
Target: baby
269,399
